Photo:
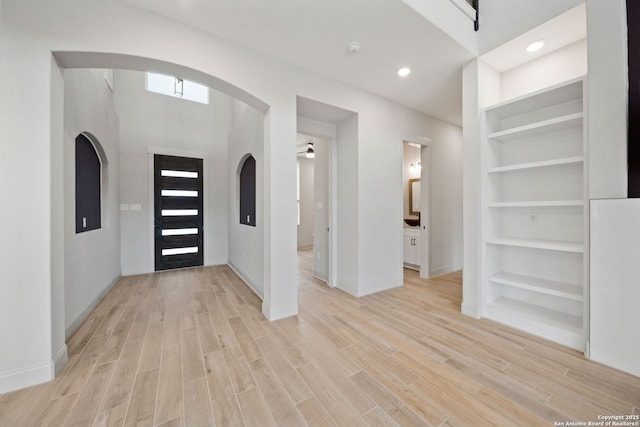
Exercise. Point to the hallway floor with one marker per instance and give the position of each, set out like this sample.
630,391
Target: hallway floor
191,348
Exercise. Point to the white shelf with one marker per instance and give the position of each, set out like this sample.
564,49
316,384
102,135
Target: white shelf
538,204
567,161
557,326
535,284
555,124
552,245
564,92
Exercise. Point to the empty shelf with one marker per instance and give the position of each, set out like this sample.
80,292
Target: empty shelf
552,245
537,204
568,161
549,287
558,123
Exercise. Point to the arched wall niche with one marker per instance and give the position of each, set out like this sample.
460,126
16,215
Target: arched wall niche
247,190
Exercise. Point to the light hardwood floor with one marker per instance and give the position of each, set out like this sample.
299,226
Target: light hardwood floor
191,348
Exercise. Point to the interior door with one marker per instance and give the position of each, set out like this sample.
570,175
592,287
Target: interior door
178,212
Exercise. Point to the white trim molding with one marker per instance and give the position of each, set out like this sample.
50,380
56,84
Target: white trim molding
26,377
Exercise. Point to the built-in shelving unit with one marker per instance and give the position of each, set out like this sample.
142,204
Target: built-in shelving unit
534,215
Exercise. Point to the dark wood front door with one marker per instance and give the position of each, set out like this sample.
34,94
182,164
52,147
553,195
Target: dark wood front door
178,212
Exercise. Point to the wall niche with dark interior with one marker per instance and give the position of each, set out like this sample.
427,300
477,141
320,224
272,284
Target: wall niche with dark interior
88,185
248,192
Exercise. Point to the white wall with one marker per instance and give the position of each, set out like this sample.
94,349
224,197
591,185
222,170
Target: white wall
481,87
614,240
502,20
348,268
445,236
246,243
369,165
607,101
555,67
25,265
92,258
615,283
321,209
167,125
305,228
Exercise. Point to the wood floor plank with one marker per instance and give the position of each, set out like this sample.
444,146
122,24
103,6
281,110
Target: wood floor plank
197,407
88,402
123,377
57,411
152,346
421,406
275,395
142,405
254,409
208,338
116,342
336,403
378,417
254,319
287,374
113,417
169,400
245,339
139,326
192,364
386,401
175,422
171,332
223,397
235,361
82,367
314,414
80,338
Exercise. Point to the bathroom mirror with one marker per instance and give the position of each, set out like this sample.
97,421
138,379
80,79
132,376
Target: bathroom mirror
414,196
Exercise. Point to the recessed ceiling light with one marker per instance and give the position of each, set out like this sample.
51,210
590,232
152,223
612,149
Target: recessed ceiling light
537,45
404,72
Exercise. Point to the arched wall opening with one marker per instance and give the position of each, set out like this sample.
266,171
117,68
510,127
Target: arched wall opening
247,108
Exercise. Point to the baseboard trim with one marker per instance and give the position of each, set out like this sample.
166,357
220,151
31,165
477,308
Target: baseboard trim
322,277
375,288
75,324
249,283
444,270
351,290
60,360
26,377
282,313
471,310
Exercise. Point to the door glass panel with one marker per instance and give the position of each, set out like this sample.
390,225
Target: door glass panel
179,193
179,231
180,251
179,212
178,174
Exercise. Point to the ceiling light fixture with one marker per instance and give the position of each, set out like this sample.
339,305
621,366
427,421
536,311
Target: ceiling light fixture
311,153
535,46
404,71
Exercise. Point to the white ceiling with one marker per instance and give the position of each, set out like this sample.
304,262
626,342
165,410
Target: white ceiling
314,34
558,32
